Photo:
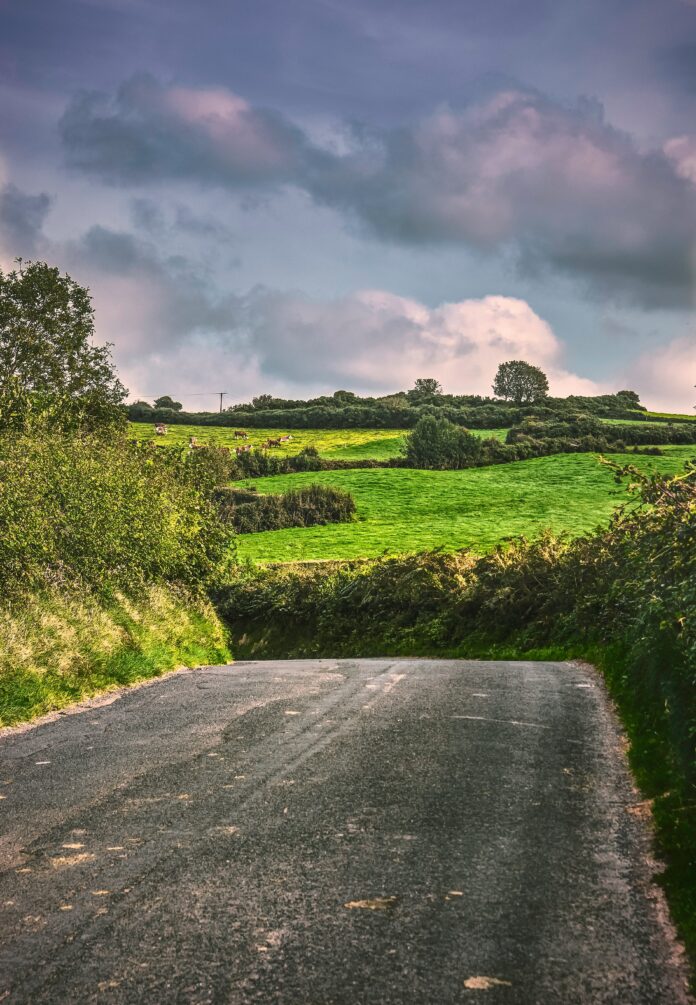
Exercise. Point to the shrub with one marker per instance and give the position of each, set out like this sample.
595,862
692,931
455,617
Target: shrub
440,444
249,512
103,511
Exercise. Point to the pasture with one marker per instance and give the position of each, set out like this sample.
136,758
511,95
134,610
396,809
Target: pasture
403,510
358,444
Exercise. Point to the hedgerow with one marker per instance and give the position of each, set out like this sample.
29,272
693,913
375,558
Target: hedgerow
249,512
397,411
104,512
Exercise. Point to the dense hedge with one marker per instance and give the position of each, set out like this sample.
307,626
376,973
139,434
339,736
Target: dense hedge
106,512
583,426
258,463
397,411
249,512
438,444
441,445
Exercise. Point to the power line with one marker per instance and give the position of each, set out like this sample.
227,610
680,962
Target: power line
191,394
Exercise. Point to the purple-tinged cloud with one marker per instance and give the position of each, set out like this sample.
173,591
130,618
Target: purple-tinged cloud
556,186
378,341
148,132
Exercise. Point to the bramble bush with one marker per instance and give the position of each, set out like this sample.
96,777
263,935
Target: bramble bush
105,512
248,512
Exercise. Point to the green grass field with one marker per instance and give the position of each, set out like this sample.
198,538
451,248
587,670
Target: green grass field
404,510
672,415
643,423
378,444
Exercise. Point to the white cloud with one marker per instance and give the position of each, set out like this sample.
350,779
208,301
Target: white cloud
665,376
681,150
379,342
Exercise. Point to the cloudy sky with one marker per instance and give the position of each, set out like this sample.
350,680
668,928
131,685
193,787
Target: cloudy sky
292,196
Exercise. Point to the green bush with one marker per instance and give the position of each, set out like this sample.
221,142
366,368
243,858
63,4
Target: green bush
249,512
104,511
439,444
581,428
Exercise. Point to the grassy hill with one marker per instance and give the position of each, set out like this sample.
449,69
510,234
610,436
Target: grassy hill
404,510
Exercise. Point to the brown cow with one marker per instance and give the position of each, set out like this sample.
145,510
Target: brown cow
160,429
239,434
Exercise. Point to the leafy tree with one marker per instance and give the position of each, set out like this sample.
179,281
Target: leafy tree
166,402
631,396
49,369
427,385
345,396
263,401
520,382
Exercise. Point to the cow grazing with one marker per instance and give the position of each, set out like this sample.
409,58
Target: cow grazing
239,434
160,429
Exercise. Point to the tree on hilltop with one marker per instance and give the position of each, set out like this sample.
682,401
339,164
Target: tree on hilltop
427,385
520,382
167,402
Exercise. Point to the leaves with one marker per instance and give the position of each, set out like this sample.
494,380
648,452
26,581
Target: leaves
50,372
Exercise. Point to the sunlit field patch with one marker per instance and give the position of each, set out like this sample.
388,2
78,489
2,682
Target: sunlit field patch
378,444
402,510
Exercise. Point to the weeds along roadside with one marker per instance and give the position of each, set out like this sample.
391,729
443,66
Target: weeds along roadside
106,550
624,598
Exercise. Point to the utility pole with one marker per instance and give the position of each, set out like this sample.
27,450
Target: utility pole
222,395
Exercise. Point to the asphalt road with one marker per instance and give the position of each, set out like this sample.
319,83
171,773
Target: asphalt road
368,831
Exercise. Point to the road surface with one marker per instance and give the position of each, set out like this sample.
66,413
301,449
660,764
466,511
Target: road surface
332,831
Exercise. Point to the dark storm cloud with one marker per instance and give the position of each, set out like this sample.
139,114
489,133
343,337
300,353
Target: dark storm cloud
147,132
22,218
556,184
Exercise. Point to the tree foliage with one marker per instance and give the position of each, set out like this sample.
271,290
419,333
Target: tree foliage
440,444
50,371
166,401
520,382
427,385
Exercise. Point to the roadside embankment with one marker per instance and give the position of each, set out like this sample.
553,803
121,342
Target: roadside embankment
57,648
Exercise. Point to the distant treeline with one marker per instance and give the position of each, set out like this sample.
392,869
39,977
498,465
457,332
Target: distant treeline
396,411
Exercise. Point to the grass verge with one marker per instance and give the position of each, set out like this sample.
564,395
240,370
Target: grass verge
57,649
